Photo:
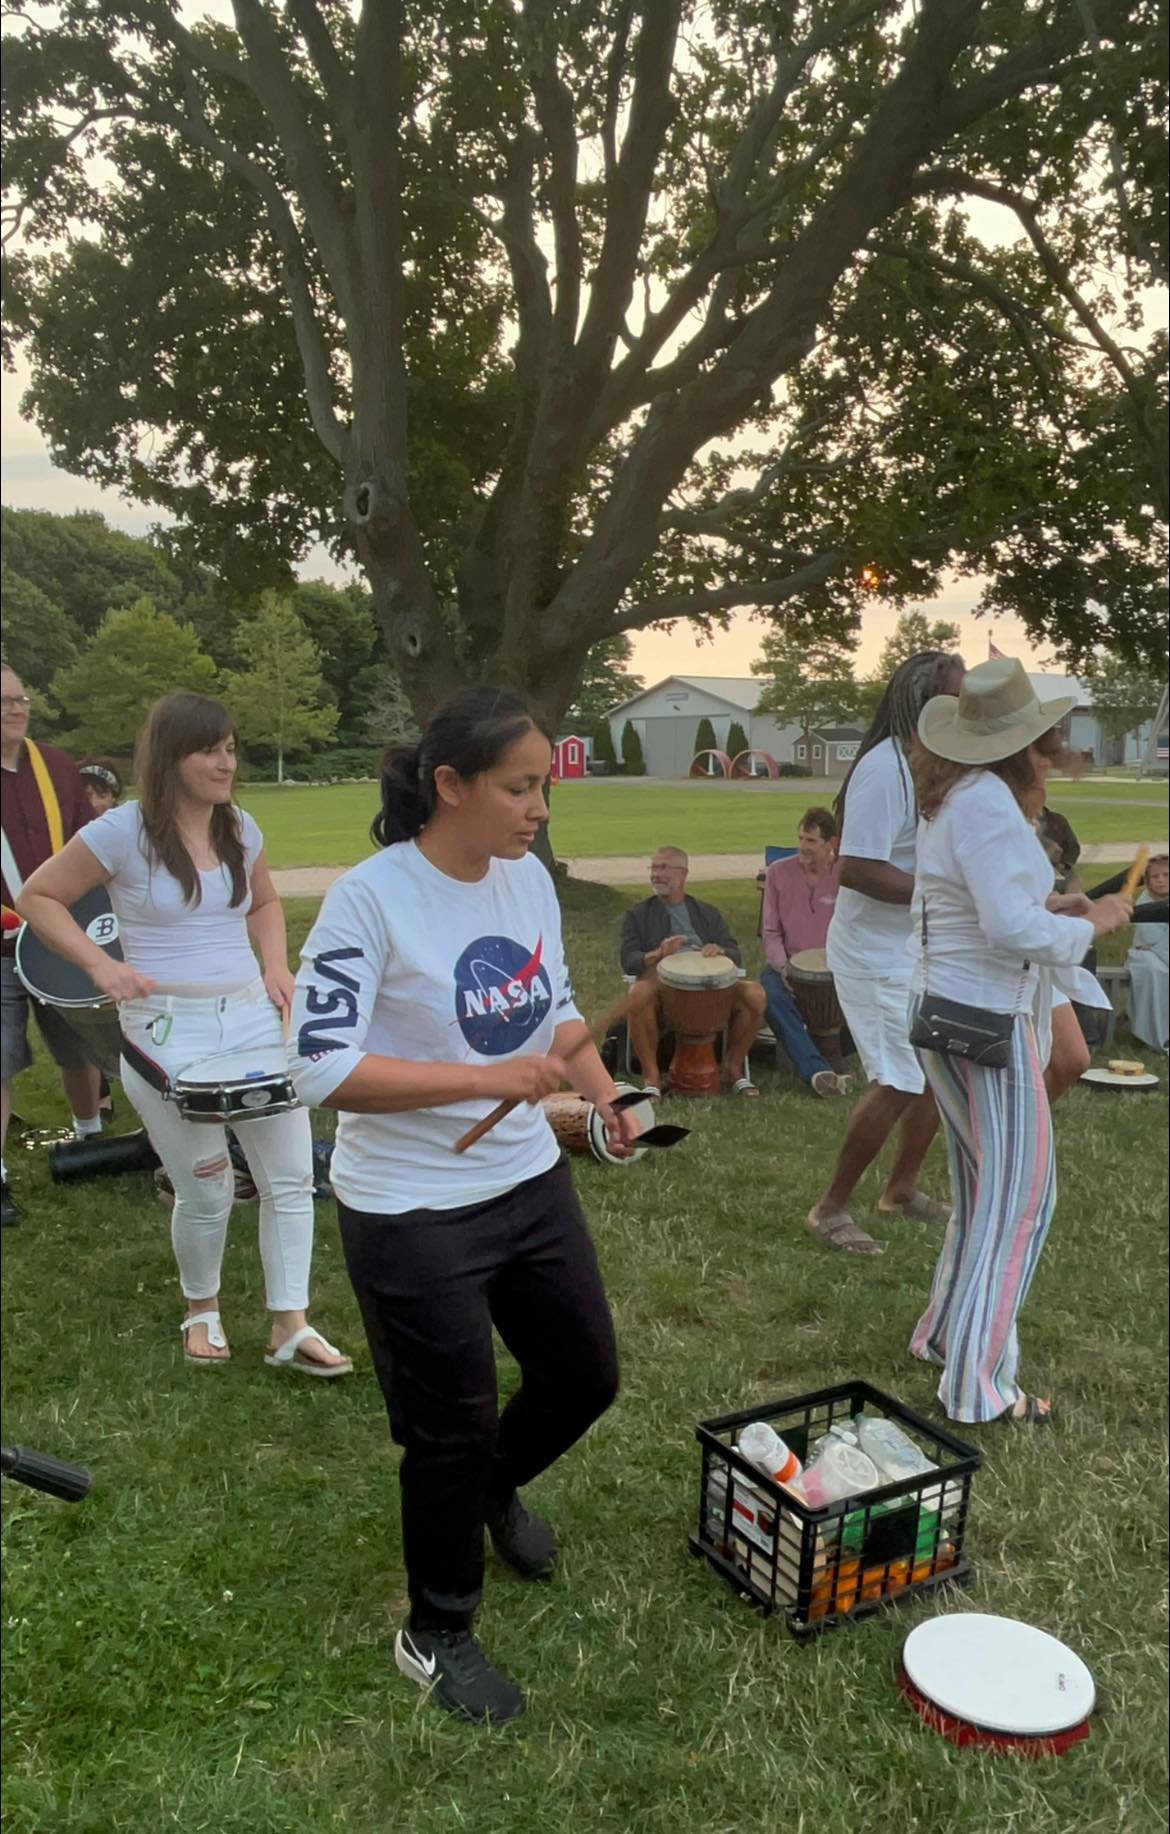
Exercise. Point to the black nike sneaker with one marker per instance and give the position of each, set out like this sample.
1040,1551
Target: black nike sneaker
461,1679
525,1541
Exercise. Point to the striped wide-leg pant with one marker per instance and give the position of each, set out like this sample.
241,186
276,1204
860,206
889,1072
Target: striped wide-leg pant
998,1131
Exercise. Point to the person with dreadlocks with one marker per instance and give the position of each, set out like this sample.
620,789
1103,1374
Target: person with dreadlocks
868,939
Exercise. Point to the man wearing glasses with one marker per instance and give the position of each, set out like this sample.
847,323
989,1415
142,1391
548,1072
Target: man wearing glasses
44,804
661,925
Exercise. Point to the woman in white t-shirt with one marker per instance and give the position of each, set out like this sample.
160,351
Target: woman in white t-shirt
432,987
987,932
192,893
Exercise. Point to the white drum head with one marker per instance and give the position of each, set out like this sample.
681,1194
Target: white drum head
227,1069
597,1141
1109,1079
812,962
688,969
998,1674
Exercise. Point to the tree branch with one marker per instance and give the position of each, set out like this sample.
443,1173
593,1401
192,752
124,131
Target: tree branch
335,79
314,351
670,606
556,114
307,164
1027,211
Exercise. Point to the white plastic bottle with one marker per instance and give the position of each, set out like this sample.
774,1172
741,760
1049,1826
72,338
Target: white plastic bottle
768,1453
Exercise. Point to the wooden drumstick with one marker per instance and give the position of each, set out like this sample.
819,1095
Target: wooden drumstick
597,1030
1140,862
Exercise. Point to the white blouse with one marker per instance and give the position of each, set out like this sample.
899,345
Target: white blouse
983,877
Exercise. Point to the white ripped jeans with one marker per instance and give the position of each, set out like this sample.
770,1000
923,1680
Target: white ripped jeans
278,1148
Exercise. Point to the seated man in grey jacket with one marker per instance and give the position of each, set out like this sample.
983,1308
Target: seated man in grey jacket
661,925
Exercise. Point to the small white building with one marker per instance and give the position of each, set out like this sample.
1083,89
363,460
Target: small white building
666,718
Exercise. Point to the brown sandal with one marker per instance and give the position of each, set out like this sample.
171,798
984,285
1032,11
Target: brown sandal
840,1231
1033,1413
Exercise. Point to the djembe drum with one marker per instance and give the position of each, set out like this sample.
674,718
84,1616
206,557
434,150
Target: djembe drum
696,992
810,981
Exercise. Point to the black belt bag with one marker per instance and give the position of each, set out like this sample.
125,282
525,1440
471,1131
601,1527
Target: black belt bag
955,1029
959,1030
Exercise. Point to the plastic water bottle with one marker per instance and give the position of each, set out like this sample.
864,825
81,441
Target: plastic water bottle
892,1451
768,1453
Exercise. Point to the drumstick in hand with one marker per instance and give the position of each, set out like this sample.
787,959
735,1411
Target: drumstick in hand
597,1030
1141,861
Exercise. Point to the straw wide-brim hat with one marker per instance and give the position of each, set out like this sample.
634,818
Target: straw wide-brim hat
995,713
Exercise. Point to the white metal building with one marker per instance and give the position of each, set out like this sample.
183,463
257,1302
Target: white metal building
666,718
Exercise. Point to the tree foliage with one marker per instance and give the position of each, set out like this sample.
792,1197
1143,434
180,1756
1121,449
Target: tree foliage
633,760
603,751
737,739
810,681
135,656
705,739
276,697
571,321
1123,698
914,631
606,681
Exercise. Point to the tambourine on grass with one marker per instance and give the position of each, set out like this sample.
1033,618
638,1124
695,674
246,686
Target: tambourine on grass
997,1684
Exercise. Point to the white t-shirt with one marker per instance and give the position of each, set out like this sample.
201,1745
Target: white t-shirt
176,943
867,937
984,876
404,961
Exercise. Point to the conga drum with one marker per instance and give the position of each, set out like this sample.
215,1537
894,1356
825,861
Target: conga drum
53,981
811,983
696,992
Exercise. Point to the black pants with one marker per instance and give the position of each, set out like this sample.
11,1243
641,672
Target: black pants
431,1284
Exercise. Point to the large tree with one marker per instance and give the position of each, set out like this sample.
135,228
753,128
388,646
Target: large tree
1123,698
277,697
810,681
135,656
570,320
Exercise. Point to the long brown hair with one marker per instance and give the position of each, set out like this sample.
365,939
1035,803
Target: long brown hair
176,726
935,777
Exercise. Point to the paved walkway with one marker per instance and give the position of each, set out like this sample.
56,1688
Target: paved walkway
624,869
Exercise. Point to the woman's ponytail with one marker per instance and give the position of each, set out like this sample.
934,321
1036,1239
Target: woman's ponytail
407,801
471,732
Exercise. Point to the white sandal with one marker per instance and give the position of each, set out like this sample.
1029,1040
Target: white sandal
291,1356
215,1338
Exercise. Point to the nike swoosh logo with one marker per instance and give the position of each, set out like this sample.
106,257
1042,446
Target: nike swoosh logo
426,1663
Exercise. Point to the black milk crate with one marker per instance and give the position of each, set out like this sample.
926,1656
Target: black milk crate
823,1567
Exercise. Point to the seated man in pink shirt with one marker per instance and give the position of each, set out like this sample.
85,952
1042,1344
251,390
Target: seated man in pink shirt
799,897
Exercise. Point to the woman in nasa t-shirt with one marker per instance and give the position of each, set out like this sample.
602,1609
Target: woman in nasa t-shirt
432,987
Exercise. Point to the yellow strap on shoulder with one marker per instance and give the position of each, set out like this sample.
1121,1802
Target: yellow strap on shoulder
48,792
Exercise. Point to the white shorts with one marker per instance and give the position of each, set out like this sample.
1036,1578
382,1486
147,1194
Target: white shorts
876,1012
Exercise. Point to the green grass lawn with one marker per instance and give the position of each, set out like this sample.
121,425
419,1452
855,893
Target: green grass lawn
329,826
205,1644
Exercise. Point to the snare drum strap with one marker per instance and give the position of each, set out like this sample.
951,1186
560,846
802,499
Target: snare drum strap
50,802
150,1072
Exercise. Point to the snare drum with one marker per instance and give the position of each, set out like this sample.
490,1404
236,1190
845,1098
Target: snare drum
811,984
234,1086
68,989
696,992
580,1130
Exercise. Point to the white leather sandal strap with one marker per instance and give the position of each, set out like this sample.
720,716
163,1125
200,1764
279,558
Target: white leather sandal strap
289,1348
215,1336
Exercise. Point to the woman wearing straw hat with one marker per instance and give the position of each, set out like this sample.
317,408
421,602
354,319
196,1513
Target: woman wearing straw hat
985,920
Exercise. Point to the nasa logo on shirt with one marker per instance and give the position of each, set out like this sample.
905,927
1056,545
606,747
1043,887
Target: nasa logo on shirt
503,994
